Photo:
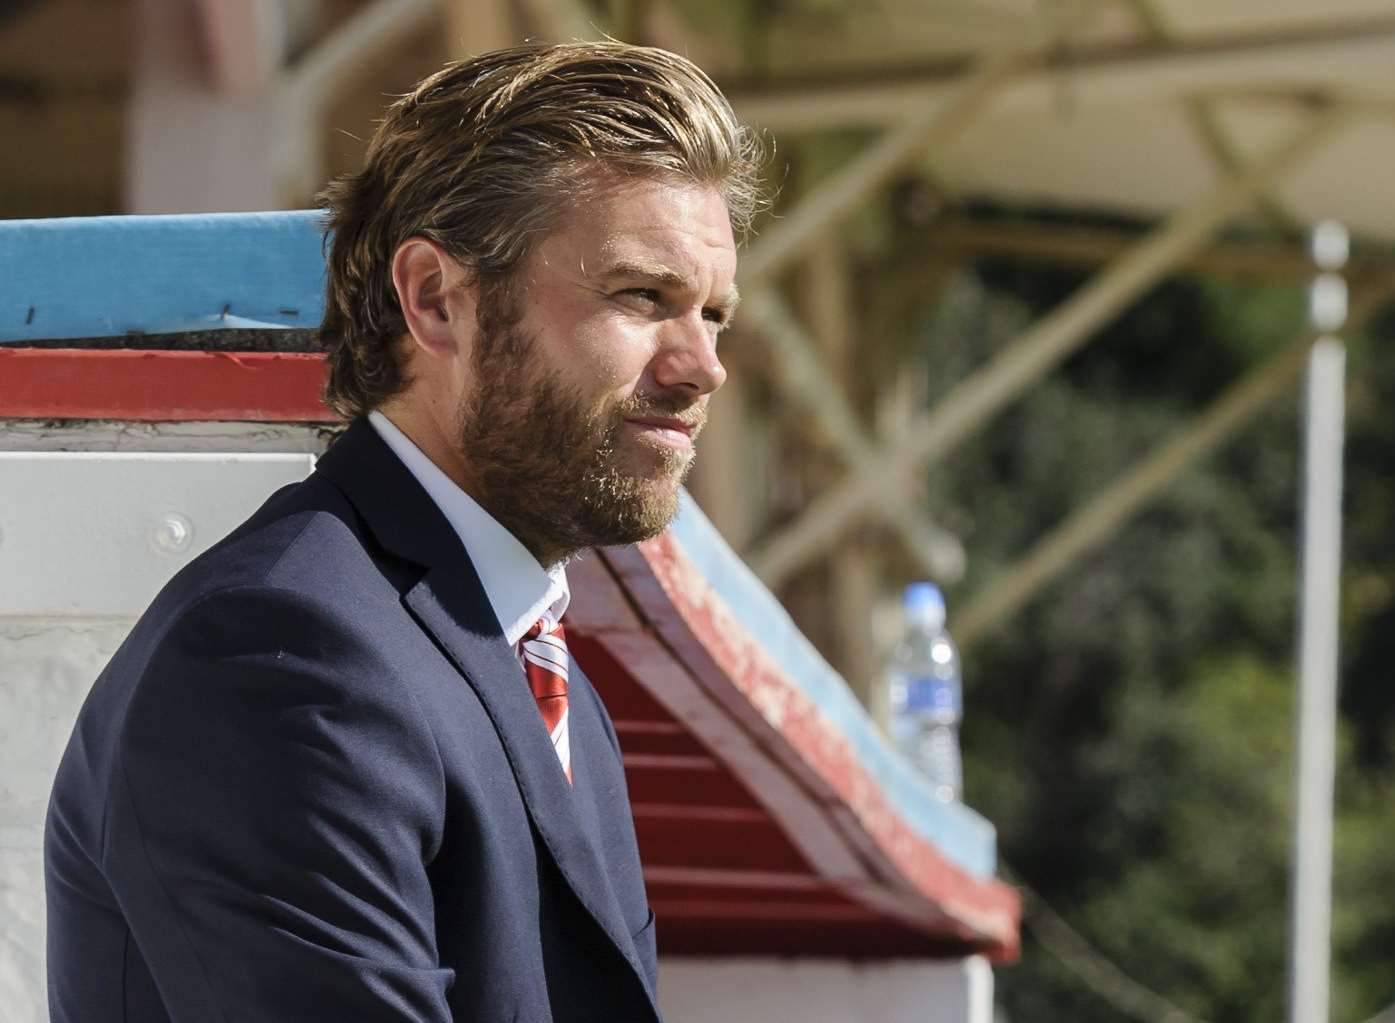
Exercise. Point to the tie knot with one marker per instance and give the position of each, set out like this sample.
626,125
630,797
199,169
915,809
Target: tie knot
543,651
544,627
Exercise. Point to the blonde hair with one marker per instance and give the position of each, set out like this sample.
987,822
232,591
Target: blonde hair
485,156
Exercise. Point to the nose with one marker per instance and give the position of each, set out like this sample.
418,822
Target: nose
687,357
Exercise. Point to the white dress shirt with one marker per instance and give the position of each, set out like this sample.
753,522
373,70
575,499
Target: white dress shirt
519,589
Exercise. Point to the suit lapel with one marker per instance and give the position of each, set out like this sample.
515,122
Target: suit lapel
483,656
450,604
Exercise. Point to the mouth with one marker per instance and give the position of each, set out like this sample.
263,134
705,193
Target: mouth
665,431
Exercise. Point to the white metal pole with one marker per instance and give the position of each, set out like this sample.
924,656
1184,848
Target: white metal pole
1310,949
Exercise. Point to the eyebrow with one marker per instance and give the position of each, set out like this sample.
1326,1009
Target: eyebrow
665,275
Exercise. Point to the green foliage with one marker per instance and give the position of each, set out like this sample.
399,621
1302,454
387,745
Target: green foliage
1130,731
1223,796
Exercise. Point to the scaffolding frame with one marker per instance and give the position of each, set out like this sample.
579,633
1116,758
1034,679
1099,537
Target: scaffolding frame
924,109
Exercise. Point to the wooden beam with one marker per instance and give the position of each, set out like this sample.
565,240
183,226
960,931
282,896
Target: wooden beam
721,481
981,395
1111,74
1280,95
902,144
823,209
919,128
831,307
1108,511
801,375
1092,246
1206,123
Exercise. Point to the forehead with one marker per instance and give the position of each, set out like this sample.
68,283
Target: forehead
682,223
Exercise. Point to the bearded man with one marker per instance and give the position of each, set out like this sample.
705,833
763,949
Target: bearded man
344,768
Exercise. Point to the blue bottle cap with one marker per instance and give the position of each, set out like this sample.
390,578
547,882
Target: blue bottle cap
924,602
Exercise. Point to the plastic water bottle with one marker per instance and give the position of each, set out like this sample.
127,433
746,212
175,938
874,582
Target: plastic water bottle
925,694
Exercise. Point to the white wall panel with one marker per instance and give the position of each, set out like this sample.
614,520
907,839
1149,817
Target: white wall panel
826,991
98,533
46,668
87,538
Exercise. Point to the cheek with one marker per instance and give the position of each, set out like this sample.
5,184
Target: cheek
610,355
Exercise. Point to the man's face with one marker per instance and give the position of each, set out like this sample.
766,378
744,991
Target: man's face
592,372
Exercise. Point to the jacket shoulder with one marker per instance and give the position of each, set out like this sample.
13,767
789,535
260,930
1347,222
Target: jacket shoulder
301,539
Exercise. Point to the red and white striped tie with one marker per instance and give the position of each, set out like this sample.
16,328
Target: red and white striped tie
543,651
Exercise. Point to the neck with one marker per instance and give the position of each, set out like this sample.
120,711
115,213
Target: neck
439,443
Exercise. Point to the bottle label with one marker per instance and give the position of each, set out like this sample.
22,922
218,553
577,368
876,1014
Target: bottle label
927,694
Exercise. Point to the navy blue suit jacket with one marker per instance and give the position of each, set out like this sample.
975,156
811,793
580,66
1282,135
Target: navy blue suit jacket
313,785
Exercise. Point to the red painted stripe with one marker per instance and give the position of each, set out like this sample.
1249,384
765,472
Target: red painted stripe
756,880
624,727
707,814
669,762
786,912
71,383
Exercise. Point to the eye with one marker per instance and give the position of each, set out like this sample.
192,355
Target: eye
646,298
717,316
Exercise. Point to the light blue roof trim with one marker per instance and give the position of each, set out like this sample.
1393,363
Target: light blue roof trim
961,835
111,276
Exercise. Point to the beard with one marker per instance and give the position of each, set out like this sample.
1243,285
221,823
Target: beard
561,473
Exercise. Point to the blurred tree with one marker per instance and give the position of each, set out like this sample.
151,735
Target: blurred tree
1130,731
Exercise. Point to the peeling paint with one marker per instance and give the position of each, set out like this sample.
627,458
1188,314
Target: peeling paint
988,908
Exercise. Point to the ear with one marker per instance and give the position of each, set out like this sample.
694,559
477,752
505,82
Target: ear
434,296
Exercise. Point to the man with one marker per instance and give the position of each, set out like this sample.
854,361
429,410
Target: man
343,768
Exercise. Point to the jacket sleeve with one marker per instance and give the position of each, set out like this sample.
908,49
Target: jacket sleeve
276,802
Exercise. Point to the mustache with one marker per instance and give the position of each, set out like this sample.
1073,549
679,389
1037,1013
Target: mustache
692,414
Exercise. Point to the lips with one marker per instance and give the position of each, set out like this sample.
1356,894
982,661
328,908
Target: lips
663,423
665,432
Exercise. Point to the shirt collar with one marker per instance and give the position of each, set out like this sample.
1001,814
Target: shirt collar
519,590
